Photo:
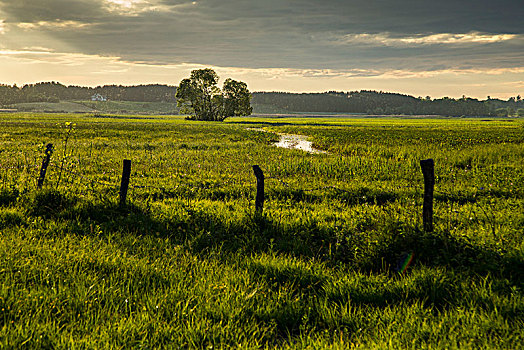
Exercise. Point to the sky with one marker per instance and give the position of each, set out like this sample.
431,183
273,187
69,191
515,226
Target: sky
417,47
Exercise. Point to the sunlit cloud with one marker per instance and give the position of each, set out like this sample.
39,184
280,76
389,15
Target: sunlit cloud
115,64
55,25
42,55
135,7
402,74
515,84
36,49
124,3
285,73
2,27
432,39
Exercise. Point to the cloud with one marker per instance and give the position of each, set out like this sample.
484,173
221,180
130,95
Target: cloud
44,55
432,39
115,64
292,39
53,25
136,7
41,64
89,11
50,10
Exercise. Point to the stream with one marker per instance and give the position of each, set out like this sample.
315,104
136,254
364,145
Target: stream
291,141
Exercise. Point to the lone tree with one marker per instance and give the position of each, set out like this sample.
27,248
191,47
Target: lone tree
201,98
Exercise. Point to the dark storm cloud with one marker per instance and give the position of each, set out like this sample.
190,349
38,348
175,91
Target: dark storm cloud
406,16
302,34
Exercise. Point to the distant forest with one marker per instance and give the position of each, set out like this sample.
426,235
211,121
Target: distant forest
365,102
56,92
374,102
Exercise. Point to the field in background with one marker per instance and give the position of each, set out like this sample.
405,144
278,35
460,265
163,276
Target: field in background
120,107
110,107
189,264
115,107
51,107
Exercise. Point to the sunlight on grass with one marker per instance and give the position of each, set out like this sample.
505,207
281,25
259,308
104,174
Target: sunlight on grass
188,264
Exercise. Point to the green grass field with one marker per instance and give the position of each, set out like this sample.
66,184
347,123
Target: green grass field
187,263
60,107
130,107
98,107
115,107
119,107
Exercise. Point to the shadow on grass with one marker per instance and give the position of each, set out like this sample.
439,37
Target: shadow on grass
359,196
303,280
211,192
200,231
8,196
459,199
378,250
194,192
443,250
465,198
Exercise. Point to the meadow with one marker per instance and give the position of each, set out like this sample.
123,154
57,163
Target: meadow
107,107
188,263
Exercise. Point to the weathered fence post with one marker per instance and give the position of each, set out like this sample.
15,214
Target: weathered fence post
124,185
45,164
259,200
428,170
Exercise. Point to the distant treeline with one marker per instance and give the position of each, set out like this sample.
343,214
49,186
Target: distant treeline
55,92
373,102
367,102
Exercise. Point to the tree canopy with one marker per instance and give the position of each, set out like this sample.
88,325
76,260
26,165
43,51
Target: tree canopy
201,98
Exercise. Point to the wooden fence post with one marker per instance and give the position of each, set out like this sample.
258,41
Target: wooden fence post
124,185
428,170
45,164
259,200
